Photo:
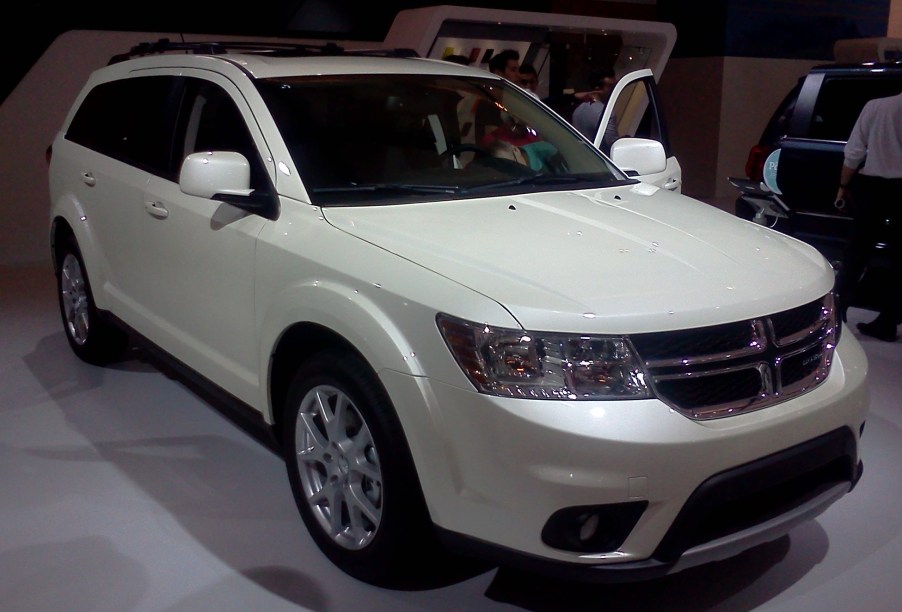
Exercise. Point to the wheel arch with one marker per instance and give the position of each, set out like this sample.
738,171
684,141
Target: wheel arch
311,315
69,221
60,230
298,343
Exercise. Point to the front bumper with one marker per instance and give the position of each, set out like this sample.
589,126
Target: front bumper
494,470
775,513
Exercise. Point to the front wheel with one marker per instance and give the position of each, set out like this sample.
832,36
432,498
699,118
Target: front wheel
351,472
92,339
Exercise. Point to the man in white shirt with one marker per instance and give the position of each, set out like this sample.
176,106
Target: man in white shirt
872,173
587,116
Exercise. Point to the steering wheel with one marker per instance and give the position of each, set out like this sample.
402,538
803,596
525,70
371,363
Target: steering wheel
461,148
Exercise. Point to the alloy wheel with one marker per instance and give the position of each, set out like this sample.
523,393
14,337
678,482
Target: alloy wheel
339,467
74,295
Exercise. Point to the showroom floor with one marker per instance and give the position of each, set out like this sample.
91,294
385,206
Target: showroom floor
122,490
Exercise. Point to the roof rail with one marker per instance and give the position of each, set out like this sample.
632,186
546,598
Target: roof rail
164,45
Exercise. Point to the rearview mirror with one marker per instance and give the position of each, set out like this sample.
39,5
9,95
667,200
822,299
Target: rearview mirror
211,173
639,156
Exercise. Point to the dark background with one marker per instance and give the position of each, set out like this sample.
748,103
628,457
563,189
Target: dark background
793,29
37,25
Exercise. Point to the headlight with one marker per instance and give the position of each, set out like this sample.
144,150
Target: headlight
540,365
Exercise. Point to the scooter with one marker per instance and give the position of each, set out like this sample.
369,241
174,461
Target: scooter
759,203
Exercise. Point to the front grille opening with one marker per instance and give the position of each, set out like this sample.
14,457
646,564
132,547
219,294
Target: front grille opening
795,320
693,393
748,495
723,370
675,345
801,366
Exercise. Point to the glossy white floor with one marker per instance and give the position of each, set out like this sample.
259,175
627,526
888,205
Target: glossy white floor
122,490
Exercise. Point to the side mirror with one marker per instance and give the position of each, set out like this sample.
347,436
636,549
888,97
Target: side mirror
215,173
639,156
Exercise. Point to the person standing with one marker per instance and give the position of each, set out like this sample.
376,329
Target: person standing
587,116
872,174
529,79
507,64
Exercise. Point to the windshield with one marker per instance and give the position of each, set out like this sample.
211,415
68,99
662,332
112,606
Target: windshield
374,138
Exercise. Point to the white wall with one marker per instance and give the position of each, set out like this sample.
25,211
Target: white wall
894,27
29,119
752,89
690,90
716,109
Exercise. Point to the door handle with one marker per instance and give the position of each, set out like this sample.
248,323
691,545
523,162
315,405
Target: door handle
156,209
88,179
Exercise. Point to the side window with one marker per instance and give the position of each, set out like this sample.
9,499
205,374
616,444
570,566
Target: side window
212,122
129,120
841,100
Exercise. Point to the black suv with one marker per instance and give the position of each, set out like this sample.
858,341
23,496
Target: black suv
810,128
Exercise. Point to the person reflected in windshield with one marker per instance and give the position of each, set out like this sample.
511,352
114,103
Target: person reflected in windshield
511,130
517,141
488,115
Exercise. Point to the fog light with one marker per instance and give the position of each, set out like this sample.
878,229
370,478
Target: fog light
590,526
592,529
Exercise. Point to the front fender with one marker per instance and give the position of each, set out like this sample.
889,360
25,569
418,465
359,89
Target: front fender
349,313
360,319
382,305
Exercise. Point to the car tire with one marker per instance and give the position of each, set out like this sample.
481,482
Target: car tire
351,472
92,338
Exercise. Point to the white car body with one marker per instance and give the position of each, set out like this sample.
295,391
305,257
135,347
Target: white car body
218,287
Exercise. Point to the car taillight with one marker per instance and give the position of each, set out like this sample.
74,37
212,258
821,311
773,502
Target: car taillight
754,166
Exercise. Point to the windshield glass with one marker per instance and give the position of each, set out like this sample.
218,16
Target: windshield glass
376,138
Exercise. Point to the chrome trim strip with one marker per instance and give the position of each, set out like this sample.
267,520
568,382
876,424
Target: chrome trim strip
733,544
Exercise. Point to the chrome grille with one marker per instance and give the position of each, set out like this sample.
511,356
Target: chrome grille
734,368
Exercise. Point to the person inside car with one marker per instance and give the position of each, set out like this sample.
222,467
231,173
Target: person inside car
488,116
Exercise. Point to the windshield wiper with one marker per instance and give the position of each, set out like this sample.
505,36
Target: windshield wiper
389,188
550,179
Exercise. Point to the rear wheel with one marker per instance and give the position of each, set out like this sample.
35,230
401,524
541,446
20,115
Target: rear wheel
351,472
91,338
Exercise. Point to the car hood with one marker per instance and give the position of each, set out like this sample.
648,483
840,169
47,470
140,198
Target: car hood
616,260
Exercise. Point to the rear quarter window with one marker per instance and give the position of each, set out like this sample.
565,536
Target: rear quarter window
128,120
778,126
840,101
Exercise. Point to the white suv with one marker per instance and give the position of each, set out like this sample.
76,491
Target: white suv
502,345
